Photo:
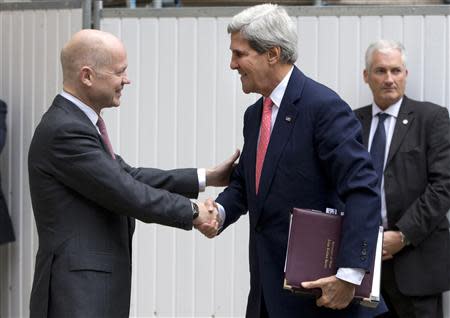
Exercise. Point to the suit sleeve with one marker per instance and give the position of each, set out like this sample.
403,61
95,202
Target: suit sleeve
347,164
430,208
78,161
176,180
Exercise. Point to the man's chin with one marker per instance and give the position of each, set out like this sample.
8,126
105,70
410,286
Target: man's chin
246,90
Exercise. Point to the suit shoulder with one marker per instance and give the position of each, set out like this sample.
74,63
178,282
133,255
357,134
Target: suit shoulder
362,110
425,108
320,97
61,121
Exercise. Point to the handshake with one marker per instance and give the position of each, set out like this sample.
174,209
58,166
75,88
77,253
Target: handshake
208,220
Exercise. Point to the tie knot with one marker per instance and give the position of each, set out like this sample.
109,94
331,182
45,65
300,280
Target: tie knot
382,117
267,103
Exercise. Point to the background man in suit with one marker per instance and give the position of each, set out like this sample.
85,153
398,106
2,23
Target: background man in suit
86,198
315,159
6,229
415,185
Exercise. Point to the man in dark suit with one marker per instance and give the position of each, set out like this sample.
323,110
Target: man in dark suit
86,198
302,148
6,229
415,185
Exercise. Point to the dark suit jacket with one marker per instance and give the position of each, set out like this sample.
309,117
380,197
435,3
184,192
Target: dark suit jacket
315,159
6,229
417,187
85,205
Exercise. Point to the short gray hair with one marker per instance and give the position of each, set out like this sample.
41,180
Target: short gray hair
384,46
265,26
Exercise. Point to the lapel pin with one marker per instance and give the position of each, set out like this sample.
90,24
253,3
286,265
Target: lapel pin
405,121
288,119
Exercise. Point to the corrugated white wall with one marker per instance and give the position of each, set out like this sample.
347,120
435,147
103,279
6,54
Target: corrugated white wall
30,76
183,108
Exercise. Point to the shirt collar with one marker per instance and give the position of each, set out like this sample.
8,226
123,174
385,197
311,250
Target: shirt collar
277,94
392,110
90,113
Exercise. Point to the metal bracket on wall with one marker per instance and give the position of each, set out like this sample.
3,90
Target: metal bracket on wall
98,6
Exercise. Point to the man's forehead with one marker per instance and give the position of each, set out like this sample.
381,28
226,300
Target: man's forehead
239,44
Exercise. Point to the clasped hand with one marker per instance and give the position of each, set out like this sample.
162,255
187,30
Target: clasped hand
208,219
336,293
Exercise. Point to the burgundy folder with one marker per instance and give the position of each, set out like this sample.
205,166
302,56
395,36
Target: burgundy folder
312,250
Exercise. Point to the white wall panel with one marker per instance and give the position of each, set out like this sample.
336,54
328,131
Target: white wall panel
435,44
146,235
184,107
16,167
308,45
370,31
413,40
328,54
205,129
349,73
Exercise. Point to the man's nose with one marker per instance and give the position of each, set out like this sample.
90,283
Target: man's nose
389,79
233,64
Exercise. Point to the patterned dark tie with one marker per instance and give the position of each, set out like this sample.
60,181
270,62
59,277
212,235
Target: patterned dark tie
102,127
377,150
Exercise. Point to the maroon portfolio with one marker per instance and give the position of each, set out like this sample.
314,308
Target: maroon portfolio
312,250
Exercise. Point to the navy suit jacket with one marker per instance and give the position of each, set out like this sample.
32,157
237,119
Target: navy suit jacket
315,159
6,229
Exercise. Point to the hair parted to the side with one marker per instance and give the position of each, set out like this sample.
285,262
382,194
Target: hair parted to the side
384,46
265,26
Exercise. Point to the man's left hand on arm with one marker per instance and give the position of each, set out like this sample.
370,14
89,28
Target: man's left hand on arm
219,176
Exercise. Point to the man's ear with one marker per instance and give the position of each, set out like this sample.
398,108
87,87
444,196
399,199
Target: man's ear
366,76
86,75
274,54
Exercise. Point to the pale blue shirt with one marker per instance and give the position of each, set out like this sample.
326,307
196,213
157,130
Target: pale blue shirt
352,275
93,117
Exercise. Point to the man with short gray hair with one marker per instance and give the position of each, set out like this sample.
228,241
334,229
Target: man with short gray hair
410,146
303,148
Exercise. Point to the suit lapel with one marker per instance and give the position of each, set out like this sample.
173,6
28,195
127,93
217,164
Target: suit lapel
365,117
254,123
281,132
404,120
72,108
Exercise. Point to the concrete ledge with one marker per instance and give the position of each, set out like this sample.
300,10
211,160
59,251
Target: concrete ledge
292,10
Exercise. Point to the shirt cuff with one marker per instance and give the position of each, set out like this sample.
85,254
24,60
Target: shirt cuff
222,215
201,173
351,275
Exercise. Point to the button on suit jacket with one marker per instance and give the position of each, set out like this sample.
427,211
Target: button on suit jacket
315,159
417,188
85,205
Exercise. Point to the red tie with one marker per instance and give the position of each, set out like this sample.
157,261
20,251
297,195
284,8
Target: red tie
264,137
102,127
